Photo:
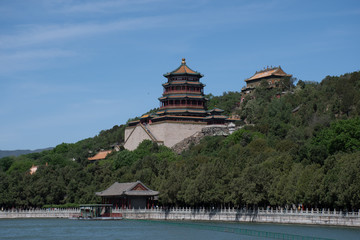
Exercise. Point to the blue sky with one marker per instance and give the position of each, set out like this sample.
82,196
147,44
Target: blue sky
69,69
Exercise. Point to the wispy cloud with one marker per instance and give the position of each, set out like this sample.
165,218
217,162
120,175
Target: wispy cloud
106,6
30,59
16,49
38,54
79,113
35,88
189,15
34,34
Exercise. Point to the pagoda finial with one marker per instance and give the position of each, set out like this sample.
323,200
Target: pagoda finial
183,61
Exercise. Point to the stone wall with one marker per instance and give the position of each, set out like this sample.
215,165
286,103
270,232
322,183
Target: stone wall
263,216
314,217
169,132
134,136
41,213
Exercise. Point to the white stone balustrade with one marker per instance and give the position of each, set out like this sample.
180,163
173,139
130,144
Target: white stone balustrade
313,216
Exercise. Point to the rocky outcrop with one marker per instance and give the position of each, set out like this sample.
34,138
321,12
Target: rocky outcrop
217,130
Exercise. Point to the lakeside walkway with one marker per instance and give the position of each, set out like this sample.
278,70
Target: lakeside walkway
283,216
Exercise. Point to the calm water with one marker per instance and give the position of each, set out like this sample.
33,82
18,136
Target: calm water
65,229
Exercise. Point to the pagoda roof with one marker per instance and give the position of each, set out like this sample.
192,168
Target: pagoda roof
268,72
128,189
183,82
183,69
177,110
175,96
217,117
215,110
178,117
145,116
160,112
100,155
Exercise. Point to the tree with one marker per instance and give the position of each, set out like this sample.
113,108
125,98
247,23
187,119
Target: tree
6,162
342,136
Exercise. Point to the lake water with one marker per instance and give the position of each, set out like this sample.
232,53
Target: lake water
66,229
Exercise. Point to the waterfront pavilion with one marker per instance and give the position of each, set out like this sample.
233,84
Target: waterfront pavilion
129,195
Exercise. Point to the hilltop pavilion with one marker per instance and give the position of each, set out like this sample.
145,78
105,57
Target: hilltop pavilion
272,76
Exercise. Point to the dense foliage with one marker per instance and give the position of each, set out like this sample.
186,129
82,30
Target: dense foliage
227,102
301,148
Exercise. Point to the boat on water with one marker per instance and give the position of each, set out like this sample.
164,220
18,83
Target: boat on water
97,212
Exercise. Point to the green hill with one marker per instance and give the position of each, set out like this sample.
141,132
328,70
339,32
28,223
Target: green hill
301,148
6,153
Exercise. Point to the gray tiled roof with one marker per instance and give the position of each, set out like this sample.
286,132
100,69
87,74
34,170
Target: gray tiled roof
125,189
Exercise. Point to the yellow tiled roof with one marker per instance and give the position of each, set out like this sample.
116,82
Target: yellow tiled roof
267,73
183,69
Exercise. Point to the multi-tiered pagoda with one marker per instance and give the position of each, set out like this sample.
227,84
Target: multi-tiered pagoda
183,96
182,112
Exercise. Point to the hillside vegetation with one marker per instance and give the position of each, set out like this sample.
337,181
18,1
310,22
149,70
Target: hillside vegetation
303,148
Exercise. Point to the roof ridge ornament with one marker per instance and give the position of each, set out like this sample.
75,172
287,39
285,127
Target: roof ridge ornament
183,61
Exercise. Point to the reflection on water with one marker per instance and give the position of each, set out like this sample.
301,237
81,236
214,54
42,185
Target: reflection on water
133,229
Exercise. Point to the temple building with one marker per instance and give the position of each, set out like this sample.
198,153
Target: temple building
272,76
129,195
182,111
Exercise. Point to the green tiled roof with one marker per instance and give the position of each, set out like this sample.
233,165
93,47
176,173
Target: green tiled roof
193,83
182,96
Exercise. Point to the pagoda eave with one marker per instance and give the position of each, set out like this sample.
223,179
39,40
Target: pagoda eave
193,83
183,110
182,74
178,117
182,97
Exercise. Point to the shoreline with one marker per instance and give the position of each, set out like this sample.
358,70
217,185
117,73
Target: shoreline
317,217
